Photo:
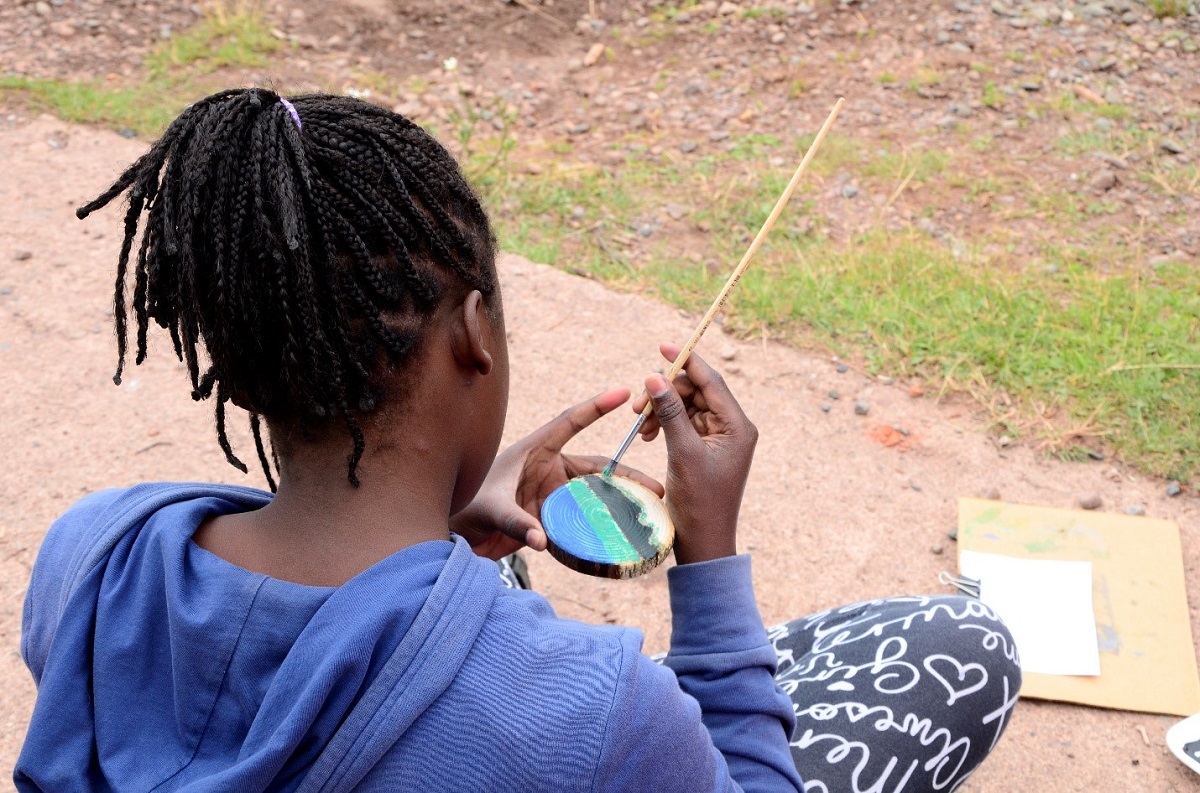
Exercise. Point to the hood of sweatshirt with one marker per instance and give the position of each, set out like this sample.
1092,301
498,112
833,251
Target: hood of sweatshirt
161,666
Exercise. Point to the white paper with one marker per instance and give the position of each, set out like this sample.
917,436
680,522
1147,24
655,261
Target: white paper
1046,603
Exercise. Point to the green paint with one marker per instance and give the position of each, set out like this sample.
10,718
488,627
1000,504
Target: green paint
607,531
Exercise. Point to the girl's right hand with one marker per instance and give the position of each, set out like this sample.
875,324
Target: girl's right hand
710,445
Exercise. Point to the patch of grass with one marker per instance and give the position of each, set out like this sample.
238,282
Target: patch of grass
887,78
175,74
925,78
992,97
1090,347
1169,8
139,108
756,13
227,35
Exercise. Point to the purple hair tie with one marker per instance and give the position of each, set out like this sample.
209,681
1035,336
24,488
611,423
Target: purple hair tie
292,110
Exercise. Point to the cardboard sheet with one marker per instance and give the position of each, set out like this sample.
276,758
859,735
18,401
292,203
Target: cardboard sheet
1147,660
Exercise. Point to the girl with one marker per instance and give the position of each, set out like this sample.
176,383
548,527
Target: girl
322,264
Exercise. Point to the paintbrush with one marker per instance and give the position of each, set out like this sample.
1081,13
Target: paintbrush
736,276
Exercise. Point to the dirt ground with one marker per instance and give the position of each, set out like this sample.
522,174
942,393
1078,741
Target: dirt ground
831,514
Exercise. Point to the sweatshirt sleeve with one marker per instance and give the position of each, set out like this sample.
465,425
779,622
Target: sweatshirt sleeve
731,730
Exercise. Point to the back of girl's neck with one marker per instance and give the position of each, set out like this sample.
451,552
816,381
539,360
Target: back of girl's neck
323,532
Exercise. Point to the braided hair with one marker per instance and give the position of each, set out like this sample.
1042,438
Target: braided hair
293,249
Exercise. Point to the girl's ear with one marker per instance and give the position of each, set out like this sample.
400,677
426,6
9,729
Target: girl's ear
472,336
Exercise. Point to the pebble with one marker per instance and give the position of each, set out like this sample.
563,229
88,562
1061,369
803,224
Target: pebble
953,534
676,212
937,549
1090,501
826,407
849,191
1103,181
861,408
1171,146
688,146
1173,489
718,135
833,394
1134,509
42,8
729,353
842,368
21,256
727,8
593,54
578,129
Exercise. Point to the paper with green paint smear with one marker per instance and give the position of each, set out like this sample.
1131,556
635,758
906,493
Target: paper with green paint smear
1147,655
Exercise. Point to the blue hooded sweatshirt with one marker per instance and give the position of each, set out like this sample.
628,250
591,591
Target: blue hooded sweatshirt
161,666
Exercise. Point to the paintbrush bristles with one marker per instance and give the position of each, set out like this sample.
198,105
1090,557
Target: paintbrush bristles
736,276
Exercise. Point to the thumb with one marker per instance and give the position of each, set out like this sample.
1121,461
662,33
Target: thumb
523,527
671,413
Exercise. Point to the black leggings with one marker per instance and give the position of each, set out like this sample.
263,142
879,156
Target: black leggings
900,695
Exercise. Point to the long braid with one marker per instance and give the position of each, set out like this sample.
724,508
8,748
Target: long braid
282,258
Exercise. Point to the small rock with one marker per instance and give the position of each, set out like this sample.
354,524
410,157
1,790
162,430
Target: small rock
42,8
63,29
842,368
56,140
1004,441
578,129
1031,86
676,212
833,394
593,54
1171,146
1173,489
729,353
727,8
21,256
733,368
885,379
126,132
849,191
1090,501
915,487
826,407
1120,163
953,534
645,230
688,146
937,549
718,135
1134,509
861,408
1103,181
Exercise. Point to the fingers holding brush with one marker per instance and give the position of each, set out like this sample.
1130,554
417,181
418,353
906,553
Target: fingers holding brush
694,399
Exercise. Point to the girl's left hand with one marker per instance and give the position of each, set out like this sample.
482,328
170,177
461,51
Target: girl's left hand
503,517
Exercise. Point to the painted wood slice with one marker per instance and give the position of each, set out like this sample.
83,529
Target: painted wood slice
607,526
